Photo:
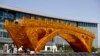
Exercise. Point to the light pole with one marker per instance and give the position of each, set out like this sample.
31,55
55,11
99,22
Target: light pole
63,46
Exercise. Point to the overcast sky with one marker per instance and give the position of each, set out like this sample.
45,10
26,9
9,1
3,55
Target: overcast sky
75,9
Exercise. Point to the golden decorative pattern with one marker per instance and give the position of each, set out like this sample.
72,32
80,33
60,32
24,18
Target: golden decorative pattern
35,33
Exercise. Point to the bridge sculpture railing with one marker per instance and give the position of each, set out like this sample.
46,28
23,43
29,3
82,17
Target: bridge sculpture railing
34,34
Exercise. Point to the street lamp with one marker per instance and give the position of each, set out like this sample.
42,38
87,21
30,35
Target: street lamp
63,46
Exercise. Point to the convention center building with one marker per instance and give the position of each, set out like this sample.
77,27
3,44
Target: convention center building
13,13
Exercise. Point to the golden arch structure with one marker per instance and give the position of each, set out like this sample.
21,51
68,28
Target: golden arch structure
35,33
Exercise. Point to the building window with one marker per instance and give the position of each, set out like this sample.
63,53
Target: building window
80,24
1,34
27,15
5,34
0,26
1,13
43,18
35,16
48,48
1,16
94,25
86,24
8,16
19,15
1,19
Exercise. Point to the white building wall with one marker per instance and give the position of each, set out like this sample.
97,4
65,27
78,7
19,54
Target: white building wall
98,35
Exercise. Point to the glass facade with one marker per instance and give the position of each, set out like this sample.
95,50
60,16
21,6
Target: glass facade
18,15
0,26
5,15
1,34
8,16
87,24
1,16
4,34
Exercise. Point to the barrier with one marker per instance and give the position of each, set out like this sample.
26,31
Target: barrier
53,54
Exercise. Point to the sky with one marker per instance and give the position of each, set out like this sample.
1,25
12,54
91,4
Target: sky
76,9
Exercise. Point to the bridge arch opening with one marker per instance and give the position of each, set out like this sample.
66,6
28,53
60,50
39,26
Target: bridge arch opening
62,44
59,44
58,41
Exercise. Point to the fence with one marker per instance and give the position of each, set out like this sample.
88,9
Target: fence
53,54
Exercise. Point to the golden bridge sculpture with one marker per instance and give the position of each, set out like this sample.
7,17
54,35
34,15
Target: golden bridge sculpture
35,33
